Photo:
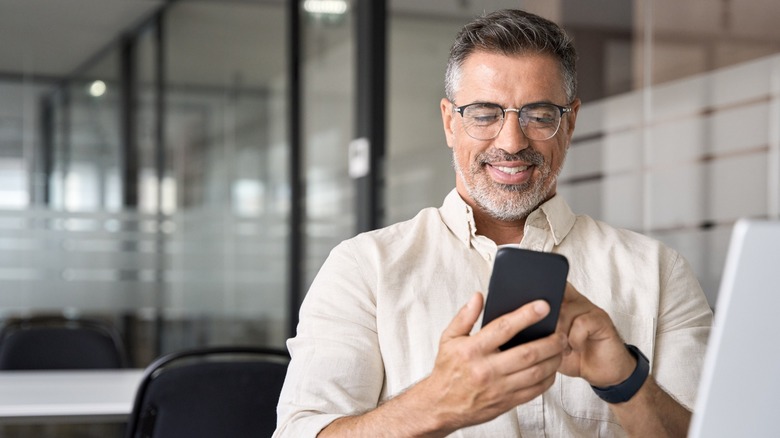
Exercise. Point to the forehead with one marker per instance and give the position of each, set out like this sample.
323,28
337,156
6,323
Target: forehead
510,79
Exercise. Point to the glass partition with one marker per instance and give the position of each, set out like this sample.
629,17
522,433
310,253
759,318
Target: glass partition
87,164
199,256
328,97
225,174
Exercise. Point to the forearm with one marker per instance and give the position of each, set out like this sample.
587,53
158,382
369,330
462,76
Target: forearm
652,412
407,415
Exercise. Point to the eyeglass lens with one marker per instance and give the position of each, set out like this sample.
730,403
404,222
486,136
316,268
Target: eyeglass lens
483,121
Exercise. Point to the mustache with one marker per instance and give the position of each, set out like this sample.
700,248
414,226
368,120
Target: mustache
526,155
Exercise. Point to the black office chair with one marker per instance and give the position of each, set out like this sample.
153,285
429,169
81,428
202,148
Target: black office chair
59,343
210,392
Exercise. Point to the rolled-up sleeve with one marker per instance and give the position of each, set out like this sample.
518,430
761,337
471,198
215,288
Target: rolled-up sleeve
684,320
336,368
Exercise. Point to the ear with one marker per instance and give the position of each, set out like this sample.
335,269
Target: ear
571,118
447,119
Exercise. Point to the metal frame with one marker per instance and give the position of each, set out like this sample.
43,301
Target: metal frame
296,266
371,36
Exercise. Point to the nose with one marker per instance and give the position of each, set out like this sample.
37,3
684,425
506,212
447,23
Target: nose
511,138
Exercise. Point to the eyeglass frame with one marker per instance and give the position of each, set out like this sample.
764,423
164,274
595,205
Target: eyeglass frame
563,110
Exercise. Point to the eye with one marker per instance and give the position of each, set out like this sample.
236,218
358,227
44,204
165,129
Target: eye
542,114
483,114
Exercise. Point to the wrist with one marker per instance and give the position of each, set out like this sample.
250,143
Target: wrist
627,388
625,367
425,410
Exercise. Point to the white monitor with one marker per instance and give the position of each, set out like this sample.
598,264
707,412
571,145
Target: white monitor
740,382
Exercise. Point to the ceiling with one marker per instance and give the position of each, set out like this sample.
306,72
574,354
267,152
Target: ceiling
52,38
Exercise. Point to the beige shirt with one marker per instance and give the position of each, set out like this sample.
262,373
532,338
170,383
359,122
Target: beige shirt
371,322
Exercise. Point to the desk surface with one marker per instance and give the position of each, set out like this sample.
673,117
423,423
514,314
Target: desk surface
67,396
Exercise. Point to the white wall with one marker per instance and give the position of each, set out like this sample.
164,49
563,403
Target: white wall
683,160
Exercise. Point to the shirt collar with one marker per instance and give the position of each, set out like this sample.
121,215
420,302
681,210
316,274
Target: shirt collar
459,217
554,215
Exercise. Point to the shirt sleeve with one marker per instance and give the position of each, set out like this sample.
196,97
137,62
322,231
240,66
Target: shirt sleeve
684,320
336,368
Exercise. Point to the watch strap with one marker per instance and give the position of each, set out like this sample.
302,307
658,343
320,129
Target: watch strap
622,392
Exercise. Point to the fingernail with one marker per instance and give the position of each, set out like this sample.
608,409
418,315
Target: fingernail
471,302
541,307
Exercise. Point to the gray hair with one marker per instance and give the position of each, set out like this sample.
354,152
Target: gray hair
512,32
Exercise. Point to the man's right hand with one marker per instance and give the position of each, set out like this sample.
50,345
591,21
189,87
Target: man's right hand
472,380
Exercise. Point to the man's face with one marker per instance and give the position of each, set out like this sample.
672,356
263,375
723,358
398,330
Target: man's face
508,176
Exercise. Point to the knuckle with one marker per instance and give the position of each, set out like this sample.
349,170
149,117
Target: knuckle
481,374
464,353
504,327
537,373
528,355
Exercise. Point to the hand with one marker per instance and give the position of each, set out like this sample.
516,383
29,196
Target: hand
595,351
473,381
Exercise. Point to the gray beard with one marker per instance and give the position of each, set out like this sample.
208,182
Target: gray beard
502,201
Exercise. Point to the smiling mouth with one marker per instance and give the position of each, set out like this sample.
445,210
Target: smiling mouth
511,170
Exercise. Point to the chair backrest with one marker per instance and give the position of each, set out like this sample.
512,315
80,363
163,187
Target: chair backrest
210,392
59,343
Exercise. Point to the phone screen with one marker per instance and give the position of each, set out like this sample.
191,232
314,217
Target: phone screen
521,276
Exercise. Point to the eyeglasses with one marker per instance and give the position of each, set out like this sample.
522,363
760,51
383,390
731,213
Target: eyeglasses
539,121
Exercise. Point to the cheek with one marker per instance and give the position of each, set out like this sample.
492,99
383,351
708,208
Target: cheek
556,156
461,156
465,154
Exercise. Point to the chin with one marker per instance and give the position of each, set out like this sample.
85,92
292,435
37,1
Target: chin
511,203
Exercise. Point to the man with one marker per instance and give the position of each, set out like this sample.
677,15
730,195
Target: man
385,344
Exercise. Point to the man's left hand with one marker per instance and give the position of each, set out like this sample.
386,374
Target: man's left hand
596,352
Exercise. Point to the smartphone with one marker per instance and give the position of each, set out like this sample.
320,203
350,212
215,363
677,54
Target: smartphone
519,277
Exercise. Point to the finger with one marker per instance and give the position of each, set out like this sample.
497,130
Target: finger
532,382
592,326
535,374
530,354
505,327
525,395
573,305
464,321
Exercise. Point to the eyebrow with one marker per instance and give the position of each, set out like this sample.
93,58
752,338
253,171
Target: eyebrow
481,102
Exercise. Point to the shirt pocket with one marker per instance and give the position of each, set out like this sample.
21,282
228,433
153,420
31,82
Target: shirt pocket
577,397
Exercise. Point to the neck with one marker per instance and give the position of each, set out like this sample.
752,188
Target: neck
500,232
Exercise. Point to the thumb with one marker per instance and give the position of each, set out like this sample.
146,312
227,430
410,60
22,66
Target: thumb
464,321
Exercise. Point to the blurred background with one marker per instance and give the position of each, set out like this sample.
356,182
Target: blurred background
182,168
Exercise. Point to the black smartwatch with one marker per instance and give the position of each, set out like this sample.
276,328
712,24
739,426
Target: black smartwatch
622,392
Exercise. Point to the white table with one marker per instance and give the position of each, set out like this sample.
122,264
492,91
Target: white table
67,396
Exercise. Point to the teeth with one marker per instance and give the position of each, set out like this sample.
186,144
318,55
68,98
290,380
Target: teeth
511,170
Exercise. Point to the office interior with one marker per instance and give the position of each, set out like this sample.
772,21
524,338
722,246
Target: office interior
183,168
